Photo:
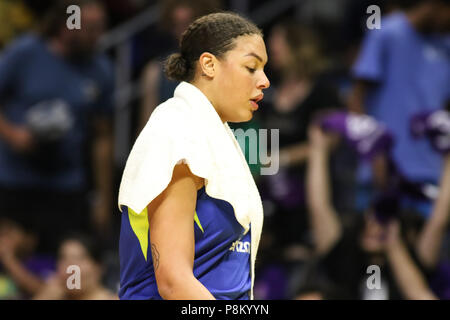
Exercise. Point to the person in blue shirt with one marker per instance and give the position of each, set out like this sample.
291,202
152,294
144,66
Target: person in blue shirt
55,93
404,68
186,244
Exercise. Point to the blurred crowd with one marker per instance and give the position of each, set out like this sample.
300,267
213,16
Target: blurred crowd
360,205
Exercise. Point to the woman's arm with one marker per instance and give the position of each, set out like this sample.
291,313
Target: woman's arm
53,289
171,220
410,280
294,154
430,239
325,223
17,137
102,155
27,281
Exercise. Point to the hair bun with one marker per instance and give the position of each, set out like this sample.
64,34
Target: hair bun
176,67
214,33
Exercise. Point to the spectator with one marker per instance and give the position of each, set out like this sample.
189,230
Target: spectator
54,90
404,68
347,249
22,267
81,251
431,241
429,246
436,127
299,91
175,17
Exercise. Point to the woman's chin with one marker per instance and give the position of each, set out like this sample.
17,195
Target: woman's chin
246,117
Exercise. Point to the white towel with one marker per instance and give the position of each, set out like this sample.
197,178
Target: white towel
187,128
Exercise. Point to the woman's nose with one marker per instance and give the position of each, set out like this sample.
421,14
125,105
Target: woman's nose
264,82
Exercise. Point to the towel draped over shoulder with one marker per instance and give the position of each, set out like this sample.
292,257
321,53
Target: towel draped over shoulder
187,129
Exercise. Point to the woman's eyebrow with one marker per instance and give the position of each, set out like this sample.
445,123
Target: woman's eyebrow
254,55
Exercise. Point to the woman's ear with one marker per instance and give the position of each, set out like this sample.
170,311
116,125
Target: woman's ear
208,63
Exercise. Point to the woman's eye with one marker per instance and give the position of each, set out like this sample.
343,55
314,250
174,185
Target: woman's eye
251,70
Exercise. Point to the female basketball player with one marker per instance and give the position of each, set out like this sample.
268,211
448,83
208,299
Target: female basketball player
191,212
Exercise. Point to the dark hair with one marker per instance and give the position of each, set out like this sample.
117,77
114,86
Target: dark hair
56,16
214,33
90,244
315,280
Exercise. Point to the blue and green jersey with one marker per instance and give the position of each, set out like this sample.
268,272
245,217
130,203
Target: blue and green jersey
222,252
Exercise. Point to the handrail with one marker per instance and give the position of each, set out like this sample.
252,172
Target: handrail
126,30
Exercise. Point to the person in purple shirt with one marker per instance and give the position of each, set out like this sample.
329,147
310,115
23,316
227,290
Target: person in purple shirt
404,68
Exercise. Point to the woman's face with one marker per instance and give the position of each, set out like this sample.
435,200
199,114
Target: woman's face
279,49
182,16
72,252
240,79
373,237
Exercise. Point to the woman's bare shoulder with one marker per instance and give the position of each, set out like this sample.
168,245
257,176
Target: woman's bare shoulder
182,170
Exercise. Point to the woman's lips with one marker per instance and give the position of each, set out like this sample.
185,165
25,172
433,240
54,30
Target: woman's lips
254,101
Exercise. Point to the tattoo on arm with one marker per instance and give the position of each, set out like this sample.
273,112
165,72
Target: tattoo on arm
155,257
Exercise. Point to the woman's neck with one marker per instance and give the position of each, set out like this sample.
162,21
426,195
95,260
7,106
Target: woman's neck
205,87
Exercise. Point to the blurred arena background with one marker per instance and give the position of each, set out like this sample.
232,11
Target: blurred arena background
73,102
